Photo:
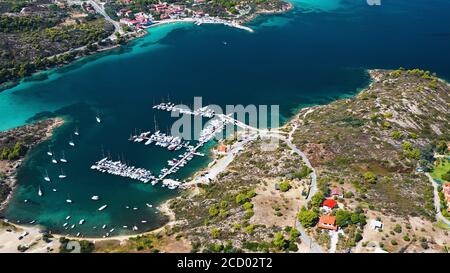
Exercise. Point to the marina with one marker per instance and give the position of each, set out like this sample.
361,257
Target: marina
172,143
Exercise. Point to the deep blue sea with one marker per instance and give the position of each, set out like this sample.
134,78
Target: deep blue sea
314,54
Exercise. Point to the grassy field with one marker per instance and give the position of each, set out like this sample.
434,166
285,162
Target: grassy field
442,168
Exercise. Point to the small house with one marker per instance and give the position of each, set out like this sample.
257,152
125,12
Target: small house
376,225
329,204
337,192
327,222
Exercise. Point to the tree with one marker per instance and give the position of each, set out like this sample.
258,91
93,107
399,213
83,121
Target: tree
441,147
285,186
370,177
307,218
279,241
213,211
343,218
317,200
241,198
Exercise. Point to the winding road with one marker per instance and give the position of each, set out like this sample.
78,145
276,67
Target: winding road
437,201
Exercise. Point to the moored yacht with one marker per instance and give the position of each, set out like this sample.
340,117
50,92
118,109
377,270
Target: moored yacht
63,158
62,175
46,177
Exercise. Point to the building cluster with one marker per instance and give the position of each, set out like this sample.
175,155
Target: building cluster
446,191
160,11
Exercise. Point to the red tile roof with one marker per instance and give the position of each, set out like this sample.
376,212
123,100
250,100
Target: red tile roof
327,222
329,203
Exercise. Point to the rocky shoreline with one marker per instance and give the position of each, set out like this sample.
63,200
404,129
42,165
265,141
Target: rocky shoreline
28,136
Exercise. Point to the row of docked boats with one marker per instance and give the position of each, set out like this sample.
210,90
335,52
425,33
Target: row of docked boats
172,143
171,107
118,168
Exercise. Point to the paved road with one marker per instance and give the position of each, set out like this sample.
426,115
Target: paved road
437,201
101,10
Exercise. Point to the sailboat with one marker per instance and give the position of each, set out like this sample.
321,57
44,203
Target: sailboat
63,158
68,200
71,143
97,118
49,151
46,177
40,191
62,175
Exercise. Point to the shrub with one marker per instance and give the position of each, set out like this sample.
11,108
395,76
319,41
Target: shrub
285,186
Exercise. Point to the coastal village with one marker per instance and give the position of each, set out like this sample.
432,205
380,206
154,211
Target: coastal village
368,174
93,26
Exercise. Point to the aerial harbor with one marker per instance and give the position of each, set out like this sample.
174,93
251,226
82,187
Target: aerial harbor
273,126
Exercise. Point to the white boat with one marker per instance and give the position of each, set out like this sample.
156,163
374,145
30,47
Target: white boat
68,217
54,190
54,161
72,226
46,177
97,118
62,175
104,226
71,143
81,221
65,224
143,221
69,201
78,234
125,226
135,228
148,205
95,197
40,191
111,230
63,158
102,207
135,208
76,132
49,151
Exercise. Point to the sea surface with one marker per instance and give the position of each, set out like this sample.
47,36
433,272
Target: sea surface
316,53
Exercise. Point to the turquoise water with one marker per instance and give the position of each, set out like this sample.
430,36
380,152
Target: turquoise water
314,54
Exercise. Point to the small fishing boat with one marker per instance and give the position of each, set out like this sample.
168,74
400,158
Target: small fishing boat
149,205
81,221
54,161
102,207
95,198
69,201
76,132
65,224
104,226
72,226
97,118
68,217
54,190
40,191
